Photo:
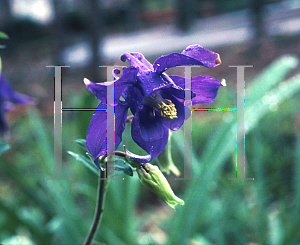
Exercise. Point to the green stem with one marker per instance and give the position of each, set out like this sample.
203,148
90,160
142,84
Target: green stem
99,208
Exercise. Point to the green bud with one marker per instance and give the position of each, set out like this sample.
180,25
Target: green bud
157,183
165,161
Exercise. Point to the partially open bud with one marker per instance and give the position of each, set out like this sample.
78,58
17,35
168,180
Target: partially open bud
157,183
165,159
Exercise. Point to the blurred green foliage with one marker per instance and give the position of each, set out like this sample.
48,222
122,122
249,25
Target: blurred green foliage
216,211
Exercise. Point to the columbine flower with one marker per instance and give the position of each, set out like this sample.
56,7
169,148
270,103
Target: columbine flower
156,182
8,99
155,99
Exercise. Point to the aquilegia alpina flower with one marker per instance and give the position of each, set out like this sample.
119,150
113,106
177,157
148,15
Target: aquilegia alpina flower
8,99
155,99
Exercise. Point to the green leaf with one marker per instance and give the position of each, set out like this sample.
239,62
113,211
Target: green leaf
120,163
4,146
256,111
270,77
86,162
82,144
261,97
3,35
121,166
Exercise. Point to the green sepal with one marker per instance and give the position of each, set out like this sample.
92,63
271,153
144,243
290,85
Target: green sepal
120,165
120,162
82,144
86,161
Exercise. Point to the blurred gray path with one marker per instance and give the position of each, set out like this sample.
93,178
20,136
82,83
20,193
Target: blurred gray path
210,32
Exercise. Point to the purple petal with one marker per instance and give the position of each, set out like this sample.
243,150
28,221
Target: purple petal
192,55
179,81
137,60
150,132
8,106
142,59
100,89
19,98
206,89
96,134
151,81
147,78
178,90
121,111
134,97
8,93
176,123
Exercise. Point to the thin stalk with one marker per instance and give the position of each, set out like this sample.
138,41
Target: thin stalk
129,119
99,208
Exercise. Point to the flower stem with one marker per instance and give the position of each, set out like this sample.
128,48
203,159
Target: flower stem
129,119
99,208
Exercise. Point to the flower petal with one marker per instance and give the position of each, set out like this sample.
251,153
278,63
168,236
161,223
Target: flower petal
175,123
192,55
206,89
179,81
8,93
96,134
121,111
178,90
100,89
151,82
150,132
142,59
147,78
134,97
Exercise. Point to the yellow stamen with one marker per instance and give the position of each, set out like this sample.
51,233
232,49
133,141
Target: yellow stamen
167,110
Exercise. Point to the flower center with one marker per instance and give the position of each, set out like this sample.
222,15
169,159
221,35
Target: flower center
166,108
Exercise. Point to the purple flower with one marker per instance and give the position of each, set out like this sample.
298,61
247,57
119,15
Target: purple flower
155,99
8,99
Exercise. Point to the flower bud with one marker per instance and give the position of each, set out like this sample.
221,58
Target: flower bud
154,180
165,161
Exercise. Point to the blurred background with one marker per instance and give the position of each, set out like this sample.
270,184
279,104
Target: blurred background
86,34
